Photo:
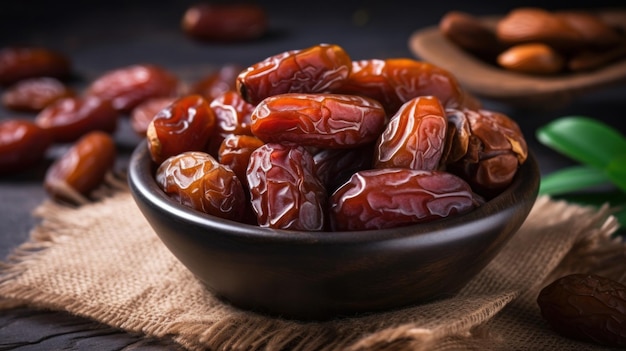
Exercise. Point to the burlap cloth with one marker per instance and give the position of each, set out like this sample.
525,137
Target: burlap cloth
103,261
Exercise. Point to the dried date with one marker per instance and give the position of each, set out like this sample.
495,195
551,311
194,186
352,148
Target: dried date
22,145
127,87
395,81
34,94
232,116
225,22
18,63
217,82
235,151
142,114
184,125
319,120
285,192
586,307
195,179
317,69
70,118
414,137
82,168
394,197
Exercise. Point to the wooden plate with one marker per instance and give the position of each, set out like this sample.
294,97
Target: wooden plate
488,81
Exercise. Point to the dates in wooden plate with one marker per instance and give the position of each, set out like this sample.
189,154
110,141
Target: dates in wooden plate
321,120
17,63
392,197
317,69
586,307
22,144
285,192
184,125
82,168
197,180
414,137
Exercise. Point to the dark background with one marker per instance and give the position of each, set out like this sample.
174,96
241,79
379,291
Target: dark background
102,35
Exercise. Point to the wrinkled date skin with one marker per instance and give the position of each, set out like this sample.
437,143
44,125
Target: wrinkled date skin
321,120
496,148
34,94
225,22
142,114
586,307
232,116
70,118
235,152
127,87
195,179
18,63
285,192
317,69
22,145
393,197
414,137
395,81
335,166
217,82
184,125
82,168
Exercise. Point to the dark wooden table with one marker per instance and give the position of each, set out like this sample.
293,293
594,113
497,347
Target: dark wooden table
102,35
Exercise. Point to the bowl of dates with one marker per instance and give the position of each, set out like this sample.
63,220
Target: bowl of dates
324,187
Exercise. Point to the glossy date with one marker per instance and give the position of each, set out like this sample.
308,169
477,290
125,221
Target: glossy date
22,145
34,94
321,120
18,63
393,197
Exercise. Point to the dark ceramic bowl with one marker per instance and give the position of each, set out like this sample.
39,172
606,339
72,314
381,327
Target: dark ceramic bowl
321,275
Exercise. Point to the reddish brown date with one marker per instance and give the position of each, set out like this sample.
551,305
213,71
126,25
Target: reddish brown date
195,179
142,114
218,82
34,94
285,192
184,125
317,69
235,151
393,197
70,118
22,145
225,22
232,116
320,120
395,81
127,87
496,148
414,137
82,168
586,307
17,63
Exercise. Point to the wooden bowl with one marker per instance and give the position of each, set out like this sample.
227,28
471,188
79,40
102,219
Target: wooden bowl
322,275
517,89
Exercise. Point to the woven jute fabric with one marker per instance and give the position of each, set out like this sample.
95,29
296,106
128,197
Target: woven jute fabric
103,261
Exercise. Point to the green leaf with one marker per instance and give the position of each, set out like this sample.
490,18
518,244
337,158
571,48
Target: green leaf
616,171
572,179
584,139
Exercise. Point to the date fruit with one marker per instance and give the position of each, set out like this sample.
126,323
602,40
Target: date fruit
142,114
235,151
414,137
82,168
195,179
586,307
320,120
232,116
34,94
225,22
395,81
393,197
531,58
285,192
22,145
127,87
217,82
17,63
317,69
471,34
70,118
184,125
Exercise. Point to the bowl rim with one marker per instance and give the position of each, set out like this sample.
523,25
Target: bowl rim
523,188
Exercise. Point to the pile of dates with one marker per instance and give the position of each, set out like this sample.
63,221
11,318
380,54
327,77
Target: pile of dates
536,41
311,140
